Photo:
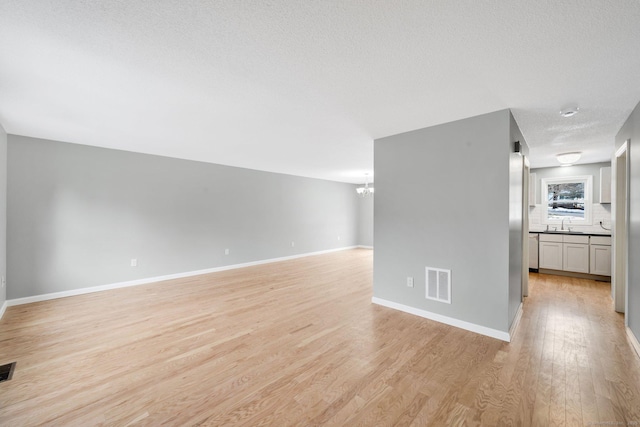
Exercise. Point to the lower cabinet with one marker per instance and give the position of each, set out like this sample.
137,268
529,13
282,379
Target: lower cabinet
550,254
575,257
576,253
564,252
600,255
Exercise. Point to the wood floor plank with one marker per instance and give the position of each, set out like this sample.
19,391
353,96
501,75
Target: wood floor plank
299,343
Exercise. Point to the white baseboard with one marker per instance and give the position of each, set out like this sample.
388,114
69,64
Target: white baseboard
478,329
3,308
633,340
81,291
515,323
365,247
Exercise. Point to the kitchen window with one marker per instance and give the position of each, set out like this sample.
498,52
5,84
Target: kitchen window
567,199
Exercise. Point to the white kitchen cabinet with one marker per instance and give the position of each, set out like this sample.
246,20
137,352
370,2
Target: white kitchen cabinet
550,255
575,257
564,252
550,251
600,255
575,253
605,185
600,260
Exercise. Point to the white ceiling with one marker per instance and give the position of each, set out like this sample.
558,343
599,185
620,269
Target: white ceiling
303,87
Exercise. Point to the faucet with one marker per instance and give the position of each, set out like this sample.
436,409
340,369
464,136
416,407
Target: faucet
562,224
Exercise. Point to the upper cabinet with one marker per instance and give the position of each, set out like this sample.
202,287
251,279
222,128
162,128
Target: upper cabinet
605,185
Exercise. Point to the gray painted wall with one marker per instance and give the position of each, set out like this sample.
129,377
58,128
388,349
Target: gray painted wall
592,169
3,212
365,222
442,200
77,215
631,130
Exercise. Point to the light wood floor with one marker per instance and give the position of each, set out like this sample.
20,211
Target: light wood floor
299,343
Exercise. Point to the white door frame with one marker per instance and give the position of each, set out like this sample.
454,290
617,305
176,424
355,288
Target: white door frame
525,227
620,211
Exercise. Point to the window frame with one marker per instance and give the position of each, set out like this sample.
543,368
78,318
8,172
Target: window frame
588,197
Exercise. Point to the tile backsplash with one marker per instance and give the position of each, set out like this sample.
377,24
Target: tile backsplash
600,212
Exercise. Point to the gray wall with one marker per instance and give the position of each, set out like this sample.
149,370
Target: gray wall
442,200
631,130
365,220
78,214
3,212
592,169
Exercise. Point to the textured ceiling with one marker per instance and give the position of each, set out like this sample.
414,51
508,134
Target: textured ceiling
303,87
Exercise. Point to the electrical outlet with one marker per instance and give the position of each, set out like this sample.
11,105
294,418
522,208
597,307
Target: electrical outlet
226,251
410,282
134,262
4,281
293,244
338,237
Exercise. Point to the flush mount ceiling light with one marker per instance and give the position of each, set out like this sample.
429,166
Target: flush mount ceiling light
366,190
567,159
569,111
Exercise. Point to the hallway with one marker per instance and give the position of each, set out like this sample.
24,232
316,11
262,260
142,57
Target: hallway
582,367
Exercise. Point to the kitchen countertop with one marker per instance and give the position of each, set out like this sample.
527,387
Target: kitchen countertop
573,233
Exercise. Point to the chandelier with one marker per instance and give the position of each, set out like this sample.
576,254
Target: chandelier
366,190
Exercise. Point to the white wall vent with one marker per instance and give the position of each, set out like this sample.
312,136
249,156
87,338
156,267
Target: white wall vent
438,284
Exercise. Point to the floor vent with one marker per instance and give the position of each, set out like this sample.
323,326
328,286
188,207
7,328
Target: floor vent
6,371
438,284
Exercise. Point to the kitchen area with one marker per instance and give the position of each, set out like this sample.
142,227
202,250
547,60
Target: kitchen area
570,221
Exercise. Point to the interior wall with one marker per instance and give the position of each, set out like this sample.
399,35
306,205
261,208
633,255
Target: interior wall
78,214
442,200
365,221
600,211
631,130
3,215
592,169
